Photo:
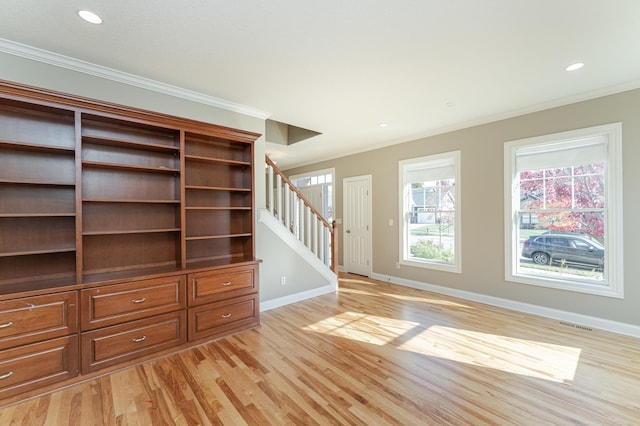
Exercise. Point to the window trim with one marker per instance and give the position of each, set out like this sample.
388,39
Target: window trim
613,285
331,171
455,267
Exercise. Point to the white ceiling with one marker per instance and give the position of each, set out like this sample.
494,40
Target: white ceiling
343,67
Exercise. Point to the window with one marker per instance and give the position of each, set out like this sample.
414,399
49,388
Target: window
430,209
317,187
563,210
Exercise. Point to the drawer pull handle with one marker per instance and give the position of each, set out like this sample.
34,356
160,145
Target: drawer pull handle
226,284
6,376
6,325
226,316
139,339
139,300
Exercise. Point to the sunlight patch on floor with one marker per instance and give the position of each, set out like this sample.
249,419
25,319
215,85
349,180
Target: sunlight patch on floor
512,355
426,300
363,328
357,281
407,298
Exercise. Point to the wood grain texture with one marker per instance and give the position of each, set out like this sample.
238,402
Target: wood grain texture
373,354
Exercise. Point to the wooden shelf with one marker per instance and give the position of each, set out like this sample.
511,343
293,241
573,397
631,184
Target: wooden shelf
217,160
37,215
131,271
217,188
132,201
129,144
130,168
37,182
136,231
214,237
222,260
38,251
219,208
27,146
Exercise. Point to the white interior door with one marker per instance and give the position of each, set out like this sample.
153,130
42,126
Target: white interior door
357,225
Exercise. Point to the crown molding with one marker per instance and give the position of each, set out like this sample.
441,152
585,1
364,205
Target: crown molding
78,65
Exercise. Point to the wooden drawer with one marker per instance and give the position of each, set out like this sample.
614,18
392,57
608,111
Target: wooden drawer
34,366
115,304
221,318
125,342
211,286
32,319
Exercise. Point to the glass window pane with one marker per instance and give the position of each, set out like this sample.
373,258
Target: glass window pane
589,192
558,193
532,194
432,232
562,245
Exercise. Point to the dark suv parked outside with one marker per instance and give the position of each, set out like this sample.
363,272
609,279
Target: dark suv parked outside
564,248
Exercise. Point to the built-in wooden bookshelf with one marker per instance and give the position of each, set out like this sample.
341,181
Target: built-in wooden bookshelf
130,195
37,192
218,186
113,215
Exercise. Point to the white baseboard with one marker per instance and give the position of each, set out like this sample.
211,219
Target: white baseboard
298,297
570,317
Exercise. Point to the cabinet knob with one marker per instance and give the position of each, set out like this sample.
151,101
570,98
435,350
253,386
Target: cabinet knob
226,316
226,284
139,300
6,376
7,324
139,339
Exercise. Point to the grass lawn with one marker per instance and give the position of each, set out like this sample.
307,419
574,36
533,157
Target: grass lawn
431,229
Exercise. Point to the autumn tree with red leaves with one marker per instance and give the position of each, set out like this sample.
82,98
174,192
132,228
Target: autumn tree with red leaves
568,199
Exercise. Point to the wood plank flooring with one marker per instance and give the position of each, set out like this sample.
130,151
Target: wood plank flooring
373,354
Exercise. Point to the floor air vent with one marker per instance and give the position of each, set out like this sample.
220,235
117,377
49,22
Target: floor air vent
578,326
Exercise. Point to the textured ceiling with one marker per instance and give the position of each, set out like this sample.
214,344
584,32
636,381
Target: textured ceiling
343,67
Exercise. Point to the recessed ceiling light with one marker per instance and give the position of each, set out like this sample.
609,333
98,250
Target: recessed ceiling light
90,17
575,66
383,125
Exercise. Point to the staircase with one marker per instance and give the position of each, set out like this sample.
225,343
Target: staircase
291,215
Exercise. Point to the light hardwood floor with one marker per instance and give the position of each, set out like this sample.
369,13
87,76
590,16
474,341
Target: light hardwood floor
374,354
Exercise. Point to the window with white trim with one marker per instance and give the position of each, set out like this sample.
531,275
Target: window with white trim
563,210
430,211
317,186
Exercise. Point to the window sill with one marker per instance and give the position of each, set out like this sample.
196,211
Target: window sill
568,285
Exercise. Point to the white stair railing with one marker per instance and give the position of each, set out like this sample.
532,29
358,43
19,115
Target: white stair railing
293,210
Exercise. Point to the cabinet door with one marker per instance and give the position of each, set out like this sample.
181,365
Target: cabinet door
219,284
33,366
126,342
222,318
31,319
114,304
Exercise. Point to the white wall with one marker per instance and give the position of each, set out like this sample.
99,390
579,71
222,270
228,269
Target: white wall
280,260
